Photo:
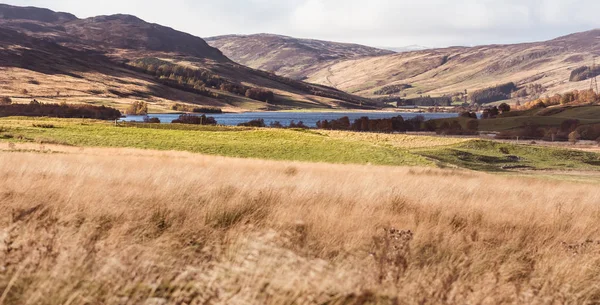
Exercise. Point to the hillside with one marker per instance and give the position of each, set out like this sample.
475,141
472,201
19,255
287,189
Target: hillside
106,52
289,56
452,70
436,72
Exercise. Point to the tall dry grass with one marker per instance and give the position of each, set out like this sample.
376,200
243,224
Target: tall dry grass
137,227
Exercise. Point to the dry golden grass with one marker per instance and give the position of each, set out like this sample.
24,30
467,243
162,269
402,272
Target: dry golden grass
396,140
124,226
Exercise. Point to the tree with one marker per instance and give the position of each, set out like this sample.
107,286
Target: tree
137,108
574,137
504,107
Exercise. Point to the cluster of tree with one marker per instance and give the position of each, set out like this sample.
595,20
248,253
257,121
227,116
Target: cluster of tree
137,108
189,79
63,110
254,123
150,120
195,120
188,108
395,124
583,73
259,94
292,124
529,90
429,101
392,89
573,97
493,94
493,112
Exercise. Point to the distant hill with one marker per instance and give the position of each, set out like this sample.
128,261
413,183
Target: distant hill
289,56
535,68
410,48
54,56
451,71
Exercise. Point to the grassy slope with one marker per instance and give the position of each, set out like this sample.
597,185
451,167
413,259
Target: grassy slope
302,145
275,144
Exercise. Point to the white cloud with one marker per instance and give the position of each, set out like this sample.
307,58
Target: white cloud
374,22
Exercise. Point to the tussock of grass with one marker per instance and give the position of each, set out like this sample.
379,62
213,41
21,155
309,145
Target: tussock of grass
143,227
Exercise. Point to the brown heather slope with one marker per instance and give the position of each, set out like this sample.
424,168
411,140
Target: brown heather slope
288,56
91,227
447,71
122,38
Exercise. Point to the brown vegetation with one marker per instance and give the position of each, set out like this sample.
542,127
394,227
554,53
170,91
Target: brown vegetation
37,109
195,120
77,229
137,108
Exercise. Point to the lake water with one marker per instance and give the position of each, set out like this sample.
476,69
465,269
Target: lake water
308,118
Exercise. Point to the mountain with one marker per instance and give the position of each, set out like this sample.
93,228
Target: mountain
288,56
546,66
409,48
120,58
535,68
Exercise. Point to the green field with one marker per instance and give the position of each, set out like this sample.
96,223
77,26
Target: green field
301,145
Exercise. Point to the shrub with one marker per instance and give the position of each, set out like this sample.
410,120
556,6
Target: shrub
5,100
43,125
504,107
254,123
574,137
259,94
151,120
194,119
23,91
137,108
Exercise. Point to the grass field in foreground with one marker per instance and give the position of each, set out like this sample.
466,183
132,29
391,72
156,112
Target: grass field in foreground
126,226
302,145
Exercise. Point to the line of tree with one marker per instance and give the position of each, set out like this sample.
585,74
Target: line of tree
63,110
195,120
573,97
493,94
398,124
392,89
195,80
189,108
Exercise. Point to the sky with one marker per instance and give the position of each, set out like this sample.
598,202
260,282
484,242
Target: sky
380,23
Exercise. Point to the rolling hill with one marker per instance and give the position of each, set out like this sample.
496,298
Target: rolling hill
289,56
435,72
54,56
451,70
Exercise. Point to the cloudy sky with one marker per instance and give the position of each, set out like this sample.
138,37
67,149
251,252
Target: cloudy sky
382,23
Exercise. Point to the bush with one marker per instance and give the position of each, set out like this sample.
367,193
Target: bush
137,108
259,94
194,119
254,123
504,107
151,120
